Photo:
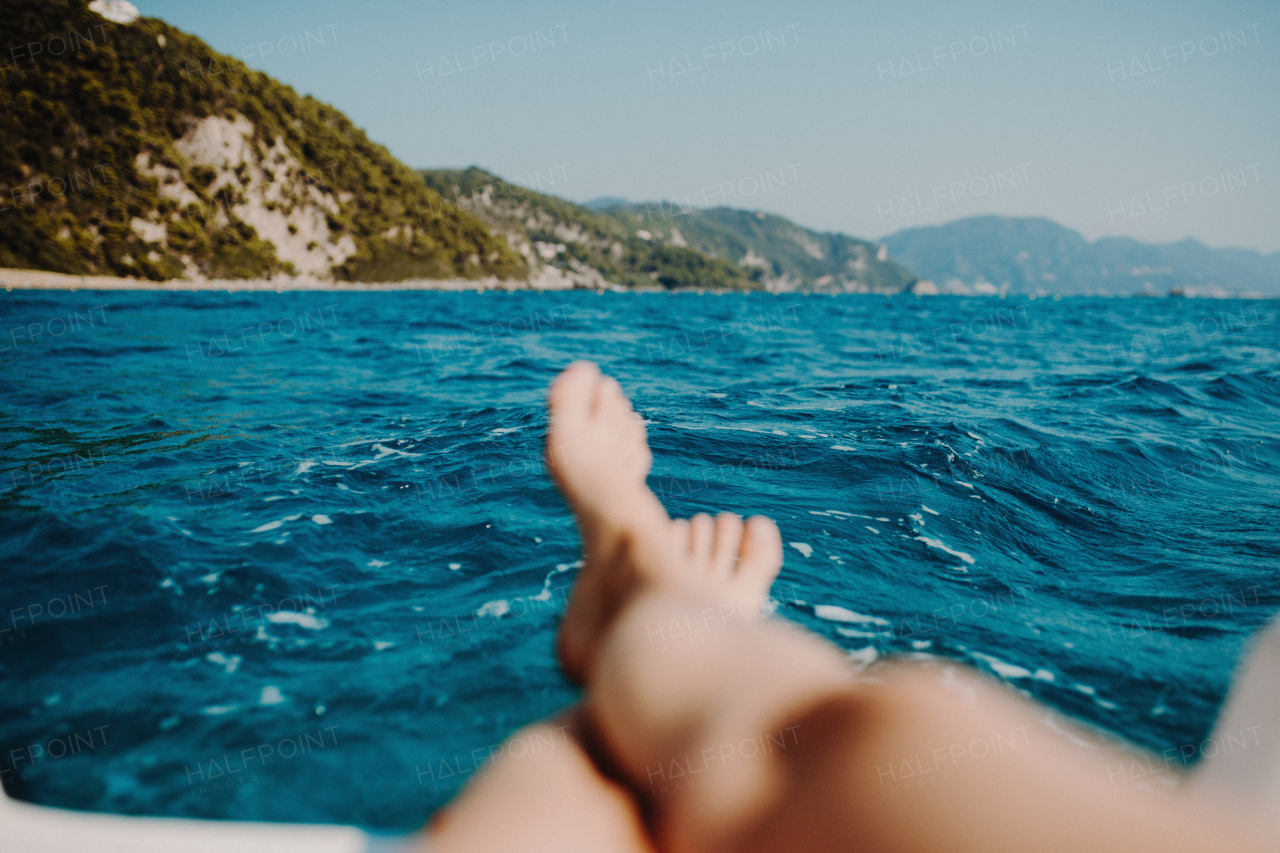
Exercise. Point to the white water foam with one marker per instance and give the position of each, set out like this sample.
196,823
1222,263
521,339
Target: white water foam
864,657
835,613
853,632
937,543
494,609
302,620
387,451
229,664
1009,670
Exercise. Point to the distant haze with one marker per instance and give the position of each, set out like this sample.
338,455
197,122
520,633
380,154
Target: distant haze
992,253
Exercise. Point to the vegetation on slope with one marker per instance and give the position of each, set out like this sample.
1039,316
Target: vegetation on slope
582,245
76,114
787,256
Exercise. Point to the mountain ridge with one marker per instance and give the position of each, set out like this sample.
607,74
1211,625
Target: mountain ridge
569,245
146,154
1036,254
787,256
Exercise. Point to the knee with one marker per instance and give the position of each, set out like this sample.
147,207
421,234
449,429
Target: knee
546,744
935,696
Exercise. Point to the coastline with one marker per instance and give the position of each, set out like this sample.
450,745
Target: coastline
16,279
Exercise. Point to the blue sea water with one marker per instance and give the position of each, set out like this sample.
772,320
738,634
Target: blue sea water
296,557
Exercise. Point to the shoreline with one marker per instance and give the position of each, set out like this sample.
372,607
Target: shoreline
17,279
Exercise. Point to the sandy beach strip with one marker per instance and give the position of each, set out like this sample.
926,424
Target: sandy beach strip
11,279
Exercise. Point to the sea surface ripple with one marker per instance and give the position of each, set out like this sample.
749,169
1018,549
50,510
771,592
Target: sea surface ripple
296,556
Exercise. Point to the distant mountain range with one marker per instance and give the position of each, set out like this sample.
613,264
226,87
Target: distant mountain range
142,152
608,242
986,254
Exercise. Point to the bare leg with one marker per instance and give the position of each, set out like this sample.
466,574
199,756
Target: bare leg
679,669
597,453
545,797
910,757
558,799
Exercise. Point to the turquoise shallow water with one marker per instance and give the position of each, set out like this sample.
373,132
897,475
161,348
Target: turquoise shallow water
295,556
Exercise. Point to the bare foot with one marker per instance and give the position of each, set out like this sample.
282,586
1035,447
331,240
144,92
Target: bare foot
731,561
596,447
597,453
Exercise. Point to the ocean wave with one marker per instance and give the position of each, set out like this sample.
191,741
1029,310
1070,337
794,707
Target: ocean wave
355,527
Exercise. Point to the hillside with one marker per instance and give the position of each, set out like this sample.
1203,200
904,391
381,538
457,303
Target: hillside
134,149
568,245
787,256
990,253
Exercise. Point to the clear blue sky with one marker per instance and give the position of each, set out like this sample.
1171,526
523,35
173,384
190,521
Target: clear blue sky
1157,120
